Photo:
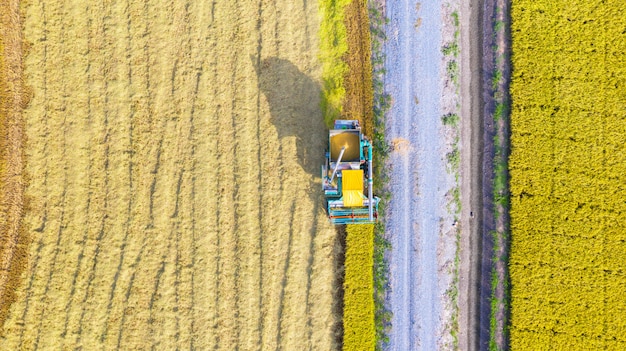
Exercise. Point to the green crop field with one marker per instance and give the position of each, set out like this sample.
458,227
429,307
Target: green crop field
568,175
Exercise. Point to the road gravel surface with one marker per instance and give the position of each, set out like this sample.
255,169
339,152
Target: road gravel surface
420,220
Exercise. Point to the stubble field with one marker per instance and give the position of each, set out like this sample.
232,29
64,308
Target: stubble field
173,198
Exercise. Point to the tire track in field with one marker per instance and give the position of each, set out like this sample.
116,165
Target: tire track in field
173,237
296,85
100,44
127,296
139,112
61,281
259,177
238,171
316,208
178,83
183,212
271,287
178,271
218,263
228,308
309,270
152,192
180,200
192,131
283,301
62,215
178,267
90,175
156,312
306,249
42,228
80,273
247,175
283,284
227,251
52,247
187,305
156,152
213,250
200,57
142,272
128,223
277,267
281,79
232,235
157,282
70,300
117,108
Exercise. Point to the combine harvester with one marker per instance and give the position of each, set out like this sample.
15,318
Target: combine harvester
344,175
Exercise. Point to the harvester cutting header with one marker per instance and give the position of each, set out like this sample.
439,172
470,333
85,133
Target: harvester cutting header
347,173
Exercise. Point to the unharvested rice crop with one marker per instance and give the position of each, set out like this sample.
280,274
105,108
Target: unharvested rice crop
333,49
348,94
358,315
359,100
173,151
568,175
345,52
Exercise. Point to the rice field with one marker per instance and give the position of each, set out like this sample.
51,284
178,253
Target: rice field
172,154
567,169
358,317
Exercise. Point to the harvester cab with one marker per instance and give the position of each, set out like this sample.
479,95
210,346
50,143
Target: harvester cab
347,175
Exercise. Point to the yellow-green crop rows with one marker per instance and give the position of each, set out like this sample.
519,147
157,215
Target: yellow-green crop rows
568,175
333,48
358,312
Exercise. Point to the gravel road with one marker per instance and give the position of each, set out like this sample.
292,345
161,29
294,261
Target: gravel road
418,220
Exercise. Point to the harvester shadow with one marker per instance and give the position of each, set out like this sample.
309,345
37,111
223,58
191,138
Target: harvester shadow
294,103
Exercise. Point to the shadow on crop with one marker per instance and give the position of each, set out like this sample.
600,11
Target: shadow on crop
294,103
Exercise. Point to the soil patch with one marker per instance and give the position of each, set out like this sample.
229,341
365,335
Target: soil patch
401,146
471,18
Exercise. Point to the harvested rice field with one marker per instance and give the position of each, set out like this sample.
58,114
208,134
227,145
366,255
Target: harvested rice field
172,151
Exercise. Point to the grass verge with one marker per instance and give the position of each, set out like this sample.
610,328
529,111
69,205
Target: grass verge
499,295
381,104
451,121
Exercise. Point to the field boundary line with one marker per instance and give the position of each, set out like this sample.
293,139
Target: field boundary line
13,250
471,177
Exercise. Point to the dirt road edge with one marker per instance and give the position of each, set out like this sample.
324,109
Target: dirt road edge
471,178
